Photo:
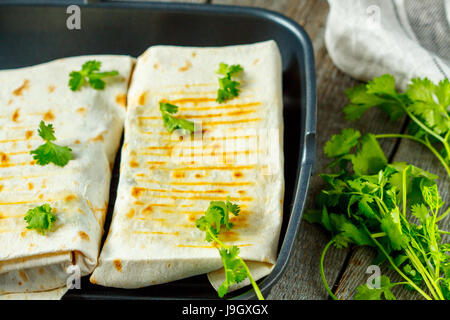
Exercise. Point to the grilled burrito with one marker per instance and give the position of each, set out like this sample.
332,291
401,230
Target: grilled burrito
167,180
88,121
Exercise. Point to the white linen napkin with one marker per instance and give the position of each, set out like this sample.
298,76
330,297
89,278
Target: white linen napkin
406,38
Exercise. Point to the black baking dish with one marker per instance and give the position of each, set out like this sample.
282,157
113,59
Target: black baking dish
35,32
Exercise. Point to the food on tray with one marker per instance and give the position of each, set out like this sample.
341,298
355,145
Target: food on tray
225,144
57,149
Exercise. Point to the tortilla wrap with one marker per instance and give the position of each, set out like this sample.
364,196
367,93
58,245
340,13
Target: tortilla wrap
88,121
167,181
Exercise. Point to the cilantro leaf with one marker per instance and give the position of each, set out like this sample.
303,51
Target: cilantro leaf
234,269
380,92
364,292
40,218
46,132
167,107
342,143
370,158
392,226
170,122
88,74
50,152
228,88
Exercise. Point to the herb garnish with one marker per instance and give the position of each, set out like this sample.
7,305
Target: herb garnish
40,218
215,220
425,103
228,87
170,122
50,152
88,74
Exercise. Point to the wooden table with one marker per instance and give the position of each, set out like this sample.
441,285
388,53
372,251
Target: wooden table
344,269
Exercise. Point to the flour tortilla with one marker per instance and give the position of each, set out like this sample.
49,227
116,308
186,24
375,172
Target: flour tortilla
153,238
90,122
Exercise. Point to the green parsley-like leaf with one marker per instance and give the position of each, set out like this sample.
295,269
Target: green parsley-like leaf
392,226
342,143
366,293
228,88
50,152
40,218
234,269
370,158
170,122
88,74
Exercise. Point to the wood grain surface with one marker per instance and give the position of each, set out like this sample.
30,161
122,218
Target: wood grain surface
344,269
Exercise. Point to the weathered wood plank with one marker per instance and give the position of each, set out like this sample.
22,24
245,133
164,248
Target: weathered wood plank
302,279
355,275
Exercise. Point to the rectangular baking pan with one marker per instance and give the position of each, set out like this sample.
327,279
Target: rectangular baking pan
35,32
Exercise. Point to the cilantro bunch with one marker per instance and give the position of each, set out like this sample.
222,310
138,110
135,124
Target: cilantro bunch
89,74
215,220
229,88
393,208
426,104
50,152
170,122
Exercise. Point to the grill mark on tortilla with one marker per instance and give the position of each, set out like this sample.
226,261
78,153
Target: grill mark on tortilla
219,168
157,232
18,127
16,140
200,183
18,92
15,116
142,98
118,265
198,147
190,100
122,99
156,162
210,246
186,67
203,116
8,165
23,275
187,191
83,235
30,177
140,190
226,106
211,123
49,116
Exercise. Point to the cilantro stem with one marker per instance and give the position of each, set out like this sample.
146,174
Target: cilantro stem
322,273
410,282
426,144
379,234
442,216
253,282
250,277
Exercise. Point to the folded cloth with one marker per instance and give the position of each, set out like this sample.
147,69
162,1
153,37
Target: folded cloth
406,38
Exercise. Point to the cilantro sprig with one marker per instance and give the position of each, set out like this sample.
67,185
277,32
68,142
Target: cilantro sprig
40,218
426,104
50,152
228,88
89,74
394,208
170,122
215,220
